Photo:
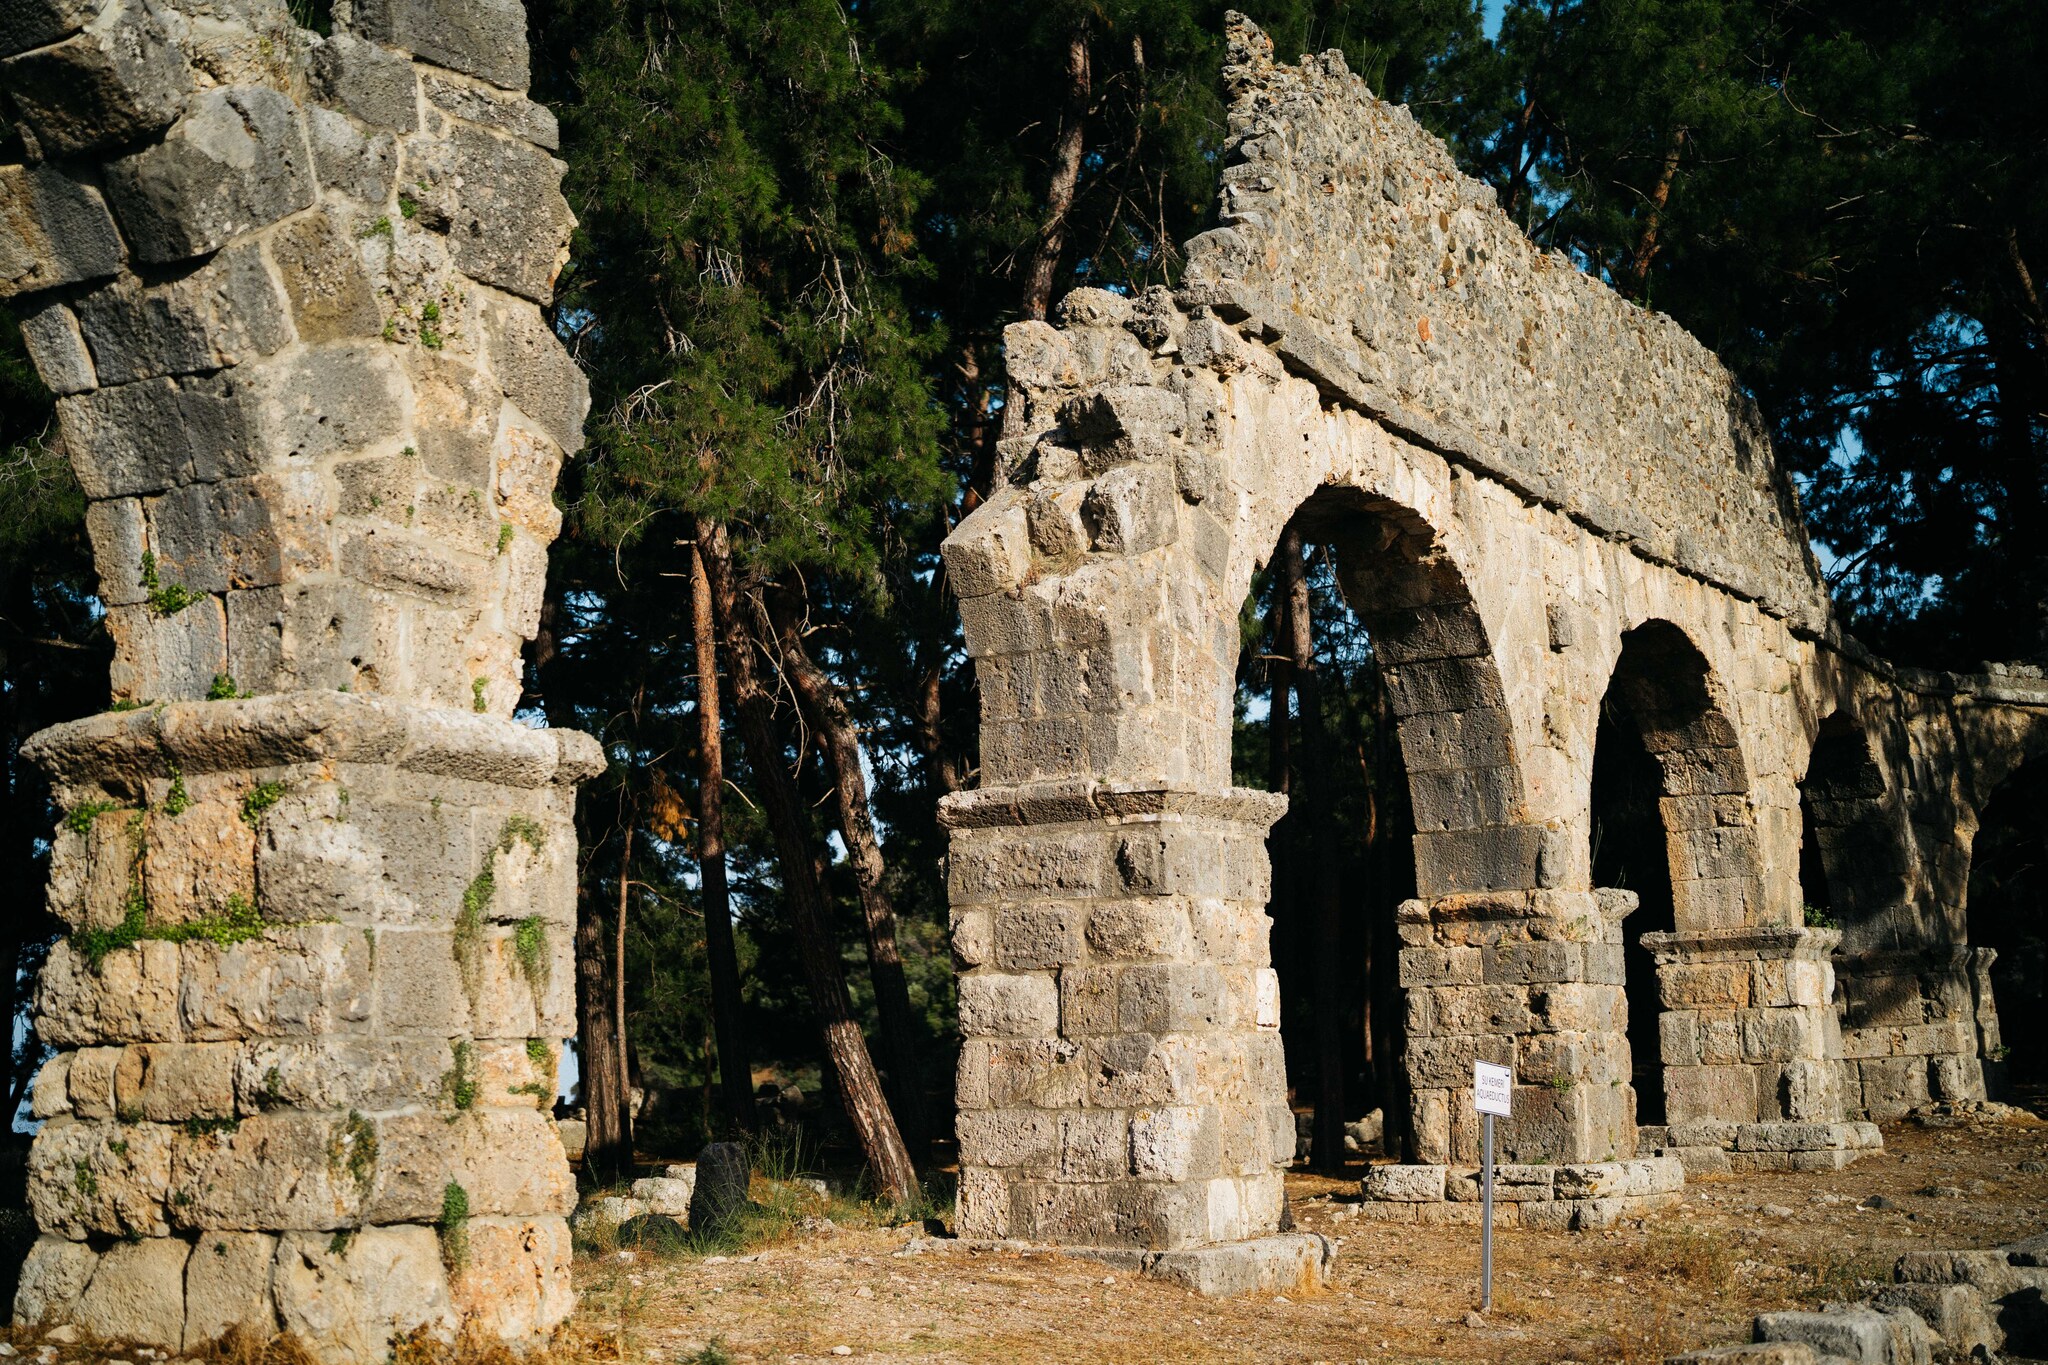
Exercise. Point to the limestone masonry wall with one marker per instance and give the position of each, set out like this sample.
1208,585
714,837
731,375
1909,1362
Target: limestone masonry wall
287,289
1353,244
1540,501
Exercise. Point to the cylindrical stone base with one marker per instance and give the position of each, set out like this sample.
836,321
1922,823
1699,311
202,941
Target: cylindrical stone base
309,1021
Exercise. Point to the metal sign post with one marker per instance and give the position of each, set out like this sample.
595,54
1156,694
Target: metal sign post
1493,1090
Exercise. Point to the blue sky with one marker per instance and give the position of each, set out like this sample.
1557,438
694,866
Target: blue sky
1493,9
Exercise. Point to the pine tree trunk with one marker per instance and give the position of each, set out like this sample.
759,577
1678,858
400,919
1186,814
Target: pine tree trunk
607,1152
619,978
859,1087
1320,842
735,1069
826,712
1066,175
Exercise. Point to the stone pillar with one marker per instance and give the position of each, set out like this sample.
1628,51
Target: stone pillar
321,883
1911,1021
1752,1050
1122,1089
1531,980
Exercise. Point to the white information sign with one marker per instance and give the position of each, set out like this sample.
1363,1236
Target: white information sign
1493,1088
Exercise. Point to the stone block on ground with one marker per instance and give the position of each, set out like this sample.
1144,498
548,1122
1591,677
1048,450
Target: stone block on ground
1756,1353
720,1193
1287,1263
1863,1336
667,1194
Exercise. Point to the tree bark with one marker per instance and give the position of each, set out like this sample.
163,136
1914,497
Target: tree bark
834,729
607,1153
735,1069
1066,175
619,979
1321,841
931,738
859,1087
1660,195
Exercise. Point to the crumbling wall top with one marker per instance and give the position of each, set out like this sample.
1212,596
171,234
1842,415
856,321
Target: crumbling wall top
1398,285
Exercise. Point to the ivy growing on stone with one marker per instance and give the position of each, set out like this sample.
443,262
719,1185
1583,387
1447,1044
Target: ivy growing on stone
454,1226
237,922
165,599
260,799
79,819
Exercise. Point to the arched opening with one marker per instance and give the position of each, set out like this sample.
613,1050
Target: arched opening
1853,863
1629,853
1670,823
2007,913
1407,764
1313,720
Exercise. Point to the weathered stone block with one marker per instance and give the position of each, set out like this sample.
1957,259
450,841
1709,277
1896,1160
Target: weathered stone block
137,1293
508,1160
100,1178
508,223
515,1285
345,1298
176,1082
1132,509
1017,1006
58,350
227,1287
131,997
237,160
483,38
119,80
52,1279
227,311
1856,1334
1405,1184
1035,936
363,166
370,82
293,981
323,277
37,23
53,230
535,371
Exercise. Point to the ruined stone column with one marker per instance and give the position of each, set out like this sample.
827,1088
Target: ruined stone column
1121,1082
1752,1050
321,883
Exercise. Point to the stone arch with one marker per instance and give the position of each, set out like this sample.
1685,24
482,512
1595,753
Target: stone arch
1444,687
1665,689
1454,752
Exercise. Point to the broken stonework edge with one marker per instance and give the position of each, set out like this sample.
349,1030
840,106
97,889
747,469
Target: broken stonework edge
1064,802
1284,1263
311,727
1717,945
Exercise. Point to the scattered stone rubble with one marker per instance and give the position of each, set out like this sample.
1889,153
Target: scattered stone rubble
1942,1306
286,288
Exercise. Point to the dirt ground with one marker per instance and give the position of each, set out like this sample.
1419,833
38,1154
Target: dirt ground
1686,1277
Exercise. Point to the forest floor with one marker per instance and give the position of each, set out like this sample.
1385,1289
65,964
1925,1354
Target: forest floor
1690,1276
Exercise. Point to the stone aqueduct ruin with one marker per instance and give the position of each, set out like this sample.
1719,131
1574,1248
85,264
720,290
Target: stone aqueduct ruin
287,289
